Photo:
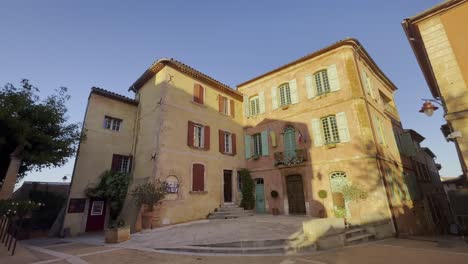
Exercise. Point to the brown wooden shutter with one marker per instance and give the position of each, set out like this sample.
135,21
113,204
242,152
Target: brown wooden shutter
206,129
198,181
233,110
190,134
234,147
196,93
201,93
220,103
221,141
115,162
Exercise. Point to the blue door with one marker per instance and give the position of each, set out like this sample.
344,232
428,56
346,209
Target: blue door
259,196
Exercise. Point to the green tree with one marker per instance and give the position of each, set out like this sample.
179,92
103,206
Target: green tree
34,133
248,185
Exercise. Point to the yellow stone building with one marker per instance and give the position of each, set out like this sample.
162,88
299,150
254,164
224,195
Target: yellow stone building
321,123
439,40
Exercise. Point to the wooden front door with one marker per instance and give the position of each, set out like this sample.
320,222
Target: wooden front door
96,215
227,186
295,191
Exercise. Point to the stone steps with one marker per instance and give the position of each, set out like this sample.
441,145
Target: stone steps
265,247
357,236
229,212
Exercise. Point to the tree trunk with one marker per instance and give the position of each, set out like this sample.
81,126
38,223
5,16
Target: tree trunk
12,173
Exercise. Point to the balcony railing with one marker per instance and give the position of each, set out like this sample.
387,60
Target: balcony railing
297,157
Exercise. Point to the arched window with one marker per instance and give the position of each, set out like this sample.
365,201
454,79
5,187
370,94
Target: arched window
337,183
321,82
289,140
285,94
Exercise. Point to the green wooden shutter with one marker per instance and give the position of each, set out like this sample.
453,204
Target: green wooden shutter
293,90
365,83
309,81
342,124
378,129
274,99
409,149
264,135
333,79
246,106
261,100
317,135
247,140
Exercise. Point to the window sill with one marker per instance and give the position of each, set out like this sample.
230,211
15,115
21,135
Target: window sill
224,114
197,148
198,192
198,104
228,154
284,107
330,145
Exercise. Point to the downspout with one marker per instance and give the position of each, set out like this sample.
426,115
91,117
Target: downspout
395,227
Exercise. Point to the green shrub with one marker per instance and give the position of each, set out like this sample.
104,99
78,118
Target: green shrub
150,193
248,185
113,188
44,217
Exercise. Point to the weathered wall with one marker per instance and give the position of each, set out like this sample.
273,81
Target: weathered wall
95,154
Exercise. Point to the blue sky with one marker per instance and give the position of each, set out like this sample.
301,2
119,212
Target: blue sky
80,44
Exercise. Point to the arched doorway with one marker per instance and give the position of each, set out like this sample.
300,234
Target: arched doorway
289,141
337,182
259,196
295,191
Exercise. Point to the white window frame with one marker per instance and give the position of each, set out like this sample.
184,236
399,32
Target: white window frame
284,94
97,208
124,164
330,129
257,144
112,123
198,136
227,142
254,105
322,82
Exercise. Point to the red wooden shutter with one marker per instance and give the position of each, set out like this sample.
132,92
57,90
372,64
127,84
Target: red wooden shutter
201,93
233,110
220,104
234,148
207,137
115,162
190,134
221,141
198,175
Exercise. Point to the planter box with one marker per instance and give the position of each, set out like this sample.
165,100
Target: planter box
117,235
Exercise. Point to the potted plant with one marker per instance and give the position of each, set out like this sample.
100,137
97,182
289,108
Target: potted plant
113,188
274,194
148,195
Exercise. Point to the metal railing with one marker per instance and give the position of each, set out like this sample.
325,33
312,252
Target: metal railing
8,233
290,159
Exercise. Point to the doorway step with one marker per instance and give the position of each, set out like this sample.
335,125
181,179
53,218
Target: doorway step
229,212
355,236
254,247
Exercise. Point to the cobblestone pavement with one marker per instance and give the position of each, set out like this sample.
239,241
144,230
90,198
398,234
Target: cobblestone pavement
385,251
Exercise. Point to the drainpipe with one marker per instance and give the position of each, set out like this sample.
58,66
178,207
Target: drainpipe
393,219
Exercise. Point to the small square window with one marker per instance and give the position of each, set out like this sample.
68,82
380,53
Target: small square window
112,123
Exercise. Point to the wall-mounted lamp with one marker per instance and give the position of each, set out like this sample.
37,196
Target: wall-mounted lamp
428,108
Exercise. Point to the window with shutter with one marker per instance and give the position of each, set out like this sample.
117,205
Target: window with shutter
261,101
247,146
316,131
198,177
257,144
330,130
254,105
198,93
264,138
285,94
121,163
198,136
321,82
221,140
246,104
232,109
224,105
342,123
289,139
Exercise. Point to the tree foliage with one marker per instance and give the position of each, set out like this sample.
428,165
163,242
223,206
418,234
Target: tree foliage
36,130
112,187
150,193
248,185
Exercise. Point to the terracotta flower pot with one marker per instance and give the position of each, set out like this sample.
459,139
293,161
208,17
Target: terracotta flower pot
146,220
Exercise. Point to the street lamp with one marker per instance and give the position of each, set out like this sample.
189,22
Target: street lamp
428,108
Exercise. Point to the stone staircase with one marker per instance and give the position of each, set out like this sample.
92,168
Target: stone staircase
229,212
357,235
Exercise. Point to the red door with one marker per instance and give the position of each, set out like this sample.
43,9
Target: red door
96,215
